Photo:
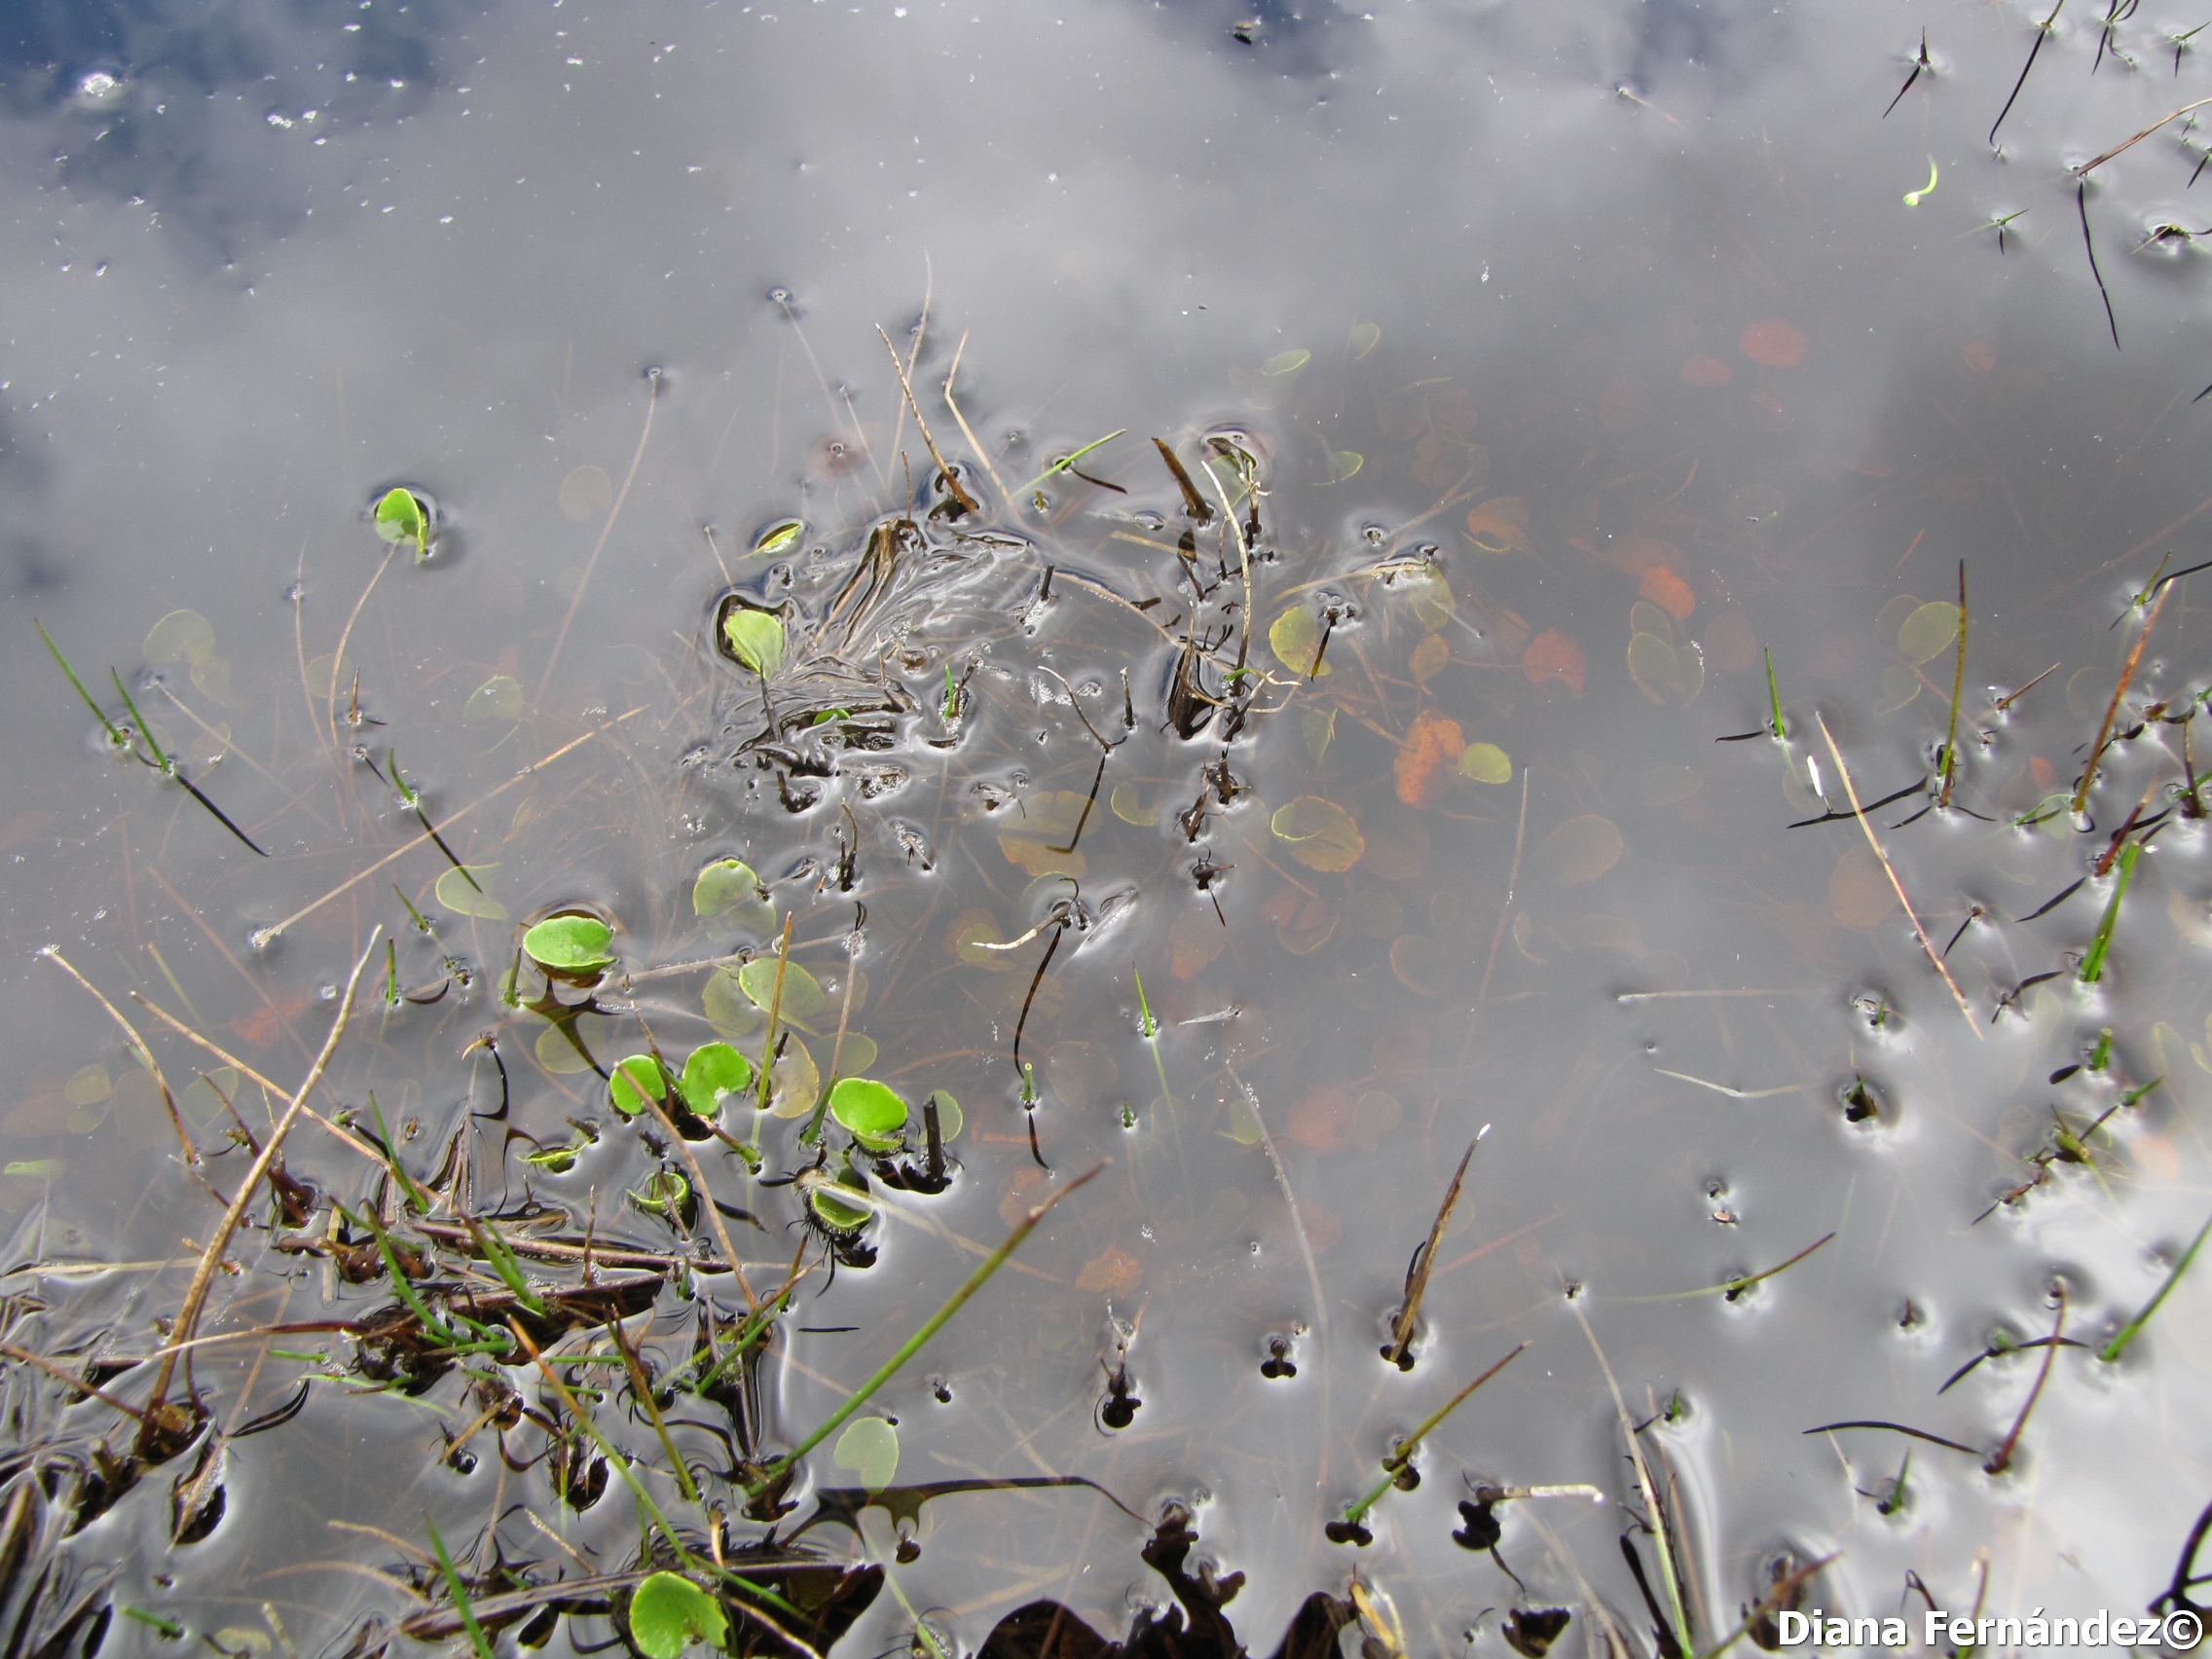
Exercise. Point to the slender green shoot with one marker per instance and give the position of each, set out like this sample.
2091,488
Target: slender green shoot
2093,964
414,916
1150,1027
912,1345
2101,1055
1774,700
114,732
501,1257
641,1386
775,1014
402,1286
1958,685
391,977
169,1628
2135,1094
476,1637
1735,1288
1394,1465
1066,464
2112,1351
138,724
615,1460
415,1196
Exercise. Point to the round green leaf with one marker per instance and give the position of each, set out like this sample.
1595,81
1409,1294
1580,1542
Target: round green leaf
401,516
464,897
1295,637
833,1213
729,885
803,996
729,1008
669,1613
714,1070
756,638
873,1112
1928,631
1287,362
498,698
1486,763
666,1194
636,1081
870,1448
569,943
1322,834
182,636
949,1121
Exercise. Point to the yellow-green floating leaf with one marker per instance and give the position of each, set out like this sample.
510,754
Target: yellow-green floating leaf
1928,631
1486,763
455,895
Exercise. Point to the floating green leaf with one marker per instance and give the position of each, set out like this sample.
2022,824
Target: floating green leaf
870,1448
1665,673
1928,631
636,1081
1343,464
714,1070
1486,763
778,536
874,1112
1287,362
1581,849
1363,339
950,1122
1295,637
1322,834
498,698
402,516
803,996
834,1212
569,943
756,638
666,1192
669,1613
729,885
182,636
463,898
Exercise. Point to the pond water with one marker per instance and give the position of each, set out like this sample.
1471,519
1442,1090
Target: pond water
1536,375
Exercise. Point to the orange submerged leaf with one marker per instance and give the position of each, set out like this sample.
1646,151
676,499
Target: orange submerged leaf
1669,592
1432,741
1705,372
1553,658
1776,343
1499,525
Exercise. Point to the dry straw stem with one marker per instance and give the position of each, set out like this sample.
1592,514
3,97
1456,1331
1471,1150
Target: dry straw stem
2090,166
186,1323
262,936
1416,1282
138,1047
982,455
245,1070
713,1210
1920,932
2126,678
1652,1512
62,1374
951,479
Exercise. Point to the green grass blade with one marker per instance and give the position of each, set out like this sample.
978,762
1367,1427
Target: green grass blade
2113,1350
2093,964
114,733
476,1637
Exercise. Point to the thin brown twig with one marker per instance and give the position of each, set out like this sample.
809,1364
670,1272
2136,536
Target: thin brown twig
138,1047
230,1059
62,1374
1920,932
713,1210
951,478
187,1319
2090,166
262,935
2127,678
1997,1464
1416,1282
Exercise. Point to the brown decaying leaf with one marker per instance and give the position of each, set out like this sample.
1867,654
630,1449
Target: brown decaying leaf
1554,659
1500,525
1038,826
1429,742
1113,1271
1667,591
1582,849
